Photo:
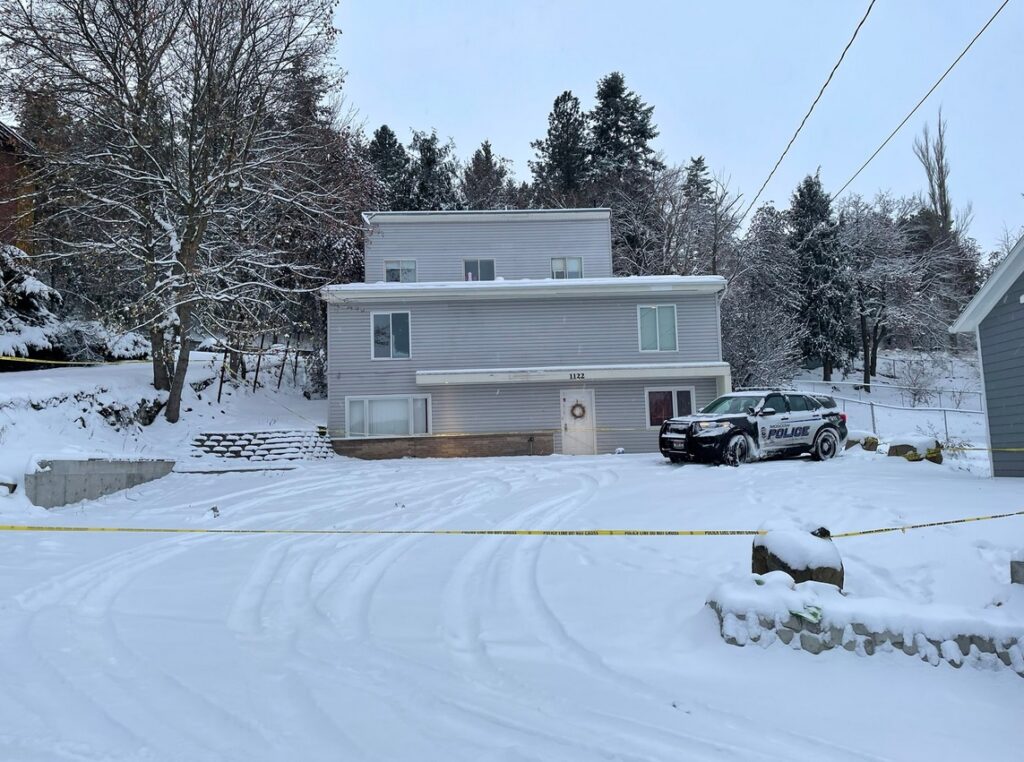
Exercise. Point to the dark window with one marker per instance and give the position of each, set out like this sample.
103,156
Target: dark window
684,402
798,403
478,269
659,406
776,402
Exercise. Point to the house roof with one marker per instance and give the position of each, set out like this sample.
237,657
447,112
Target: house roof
488,215
527,288
995,287
9,134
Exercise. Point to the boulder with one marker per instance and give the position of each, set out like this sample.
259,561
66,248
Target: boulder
870,443
804,556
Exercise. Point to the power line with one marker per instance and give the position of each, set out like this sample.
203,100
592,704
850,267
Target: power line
920,102
811,109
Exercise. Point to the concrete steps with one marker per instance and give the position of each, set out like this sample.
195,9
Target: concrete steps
263,446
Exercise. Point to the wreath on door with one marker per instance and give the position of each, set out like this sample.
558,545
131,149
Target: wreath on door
578,411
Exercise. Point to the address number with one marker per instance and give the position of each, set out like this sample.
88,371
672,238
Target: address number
577,376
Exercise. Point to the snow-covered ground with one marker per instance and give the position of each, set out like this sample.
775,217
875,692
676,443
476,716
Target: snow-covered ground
58,411
213,647
935,393
424,647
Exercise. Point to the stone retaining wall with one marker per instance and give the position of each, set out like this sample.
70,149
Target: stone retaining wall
801,633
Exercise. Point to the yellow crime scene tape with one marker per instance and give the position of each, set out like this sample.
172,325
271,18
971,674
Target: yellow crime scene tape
488,532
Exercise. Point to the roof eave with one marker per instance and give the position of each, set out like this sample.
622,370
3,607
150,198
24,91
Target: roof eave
992,291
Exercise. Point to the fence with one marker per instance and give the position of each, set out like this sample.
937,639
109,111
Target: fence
910,397
885,419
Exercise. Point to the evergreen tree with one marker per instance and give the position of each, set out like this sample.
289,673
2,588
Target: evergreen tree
826,303
622,127
697,186
391,163
560,170
433,172
486,181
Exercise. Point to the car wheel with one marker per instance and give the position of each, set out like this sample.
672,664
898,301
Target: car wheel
737,450
826,445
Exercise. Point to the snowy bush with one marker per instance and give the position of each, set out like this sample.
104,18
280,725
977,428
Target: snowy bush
919,375
90,340
26,322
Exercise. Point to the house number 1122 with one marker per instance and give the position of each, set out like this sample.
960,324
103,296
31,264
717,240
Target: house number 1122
577,376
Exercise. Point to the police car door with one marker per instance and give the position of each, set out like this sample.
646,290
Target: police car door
804,419
773,427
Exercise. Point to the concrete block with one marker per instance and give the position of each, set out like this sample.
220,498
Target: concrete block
1017,571
60,482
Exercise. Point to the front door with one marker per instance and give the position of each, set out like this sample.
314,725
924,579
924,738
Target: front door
578,432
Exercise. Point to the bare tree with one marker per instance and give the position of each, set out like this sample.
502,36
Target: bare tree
179,162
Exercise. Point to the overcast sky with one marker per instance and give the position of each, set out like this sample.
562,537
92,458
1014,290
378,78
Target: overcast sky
729,80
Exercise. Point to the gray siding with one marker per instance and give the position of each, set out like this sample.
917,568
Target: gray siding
521,248
1002,357
514,334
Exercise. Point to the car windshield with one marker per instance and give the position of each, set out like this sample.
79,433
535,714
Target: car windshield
732,405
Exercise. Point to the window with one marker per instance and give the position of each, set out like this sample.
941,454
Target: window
566,267
478,269
387,416
799,403
391,339
400,271
663,404
657,327
776,402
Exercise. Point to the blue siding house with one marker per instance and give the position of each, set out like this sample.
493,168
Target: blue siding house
487,333
996,317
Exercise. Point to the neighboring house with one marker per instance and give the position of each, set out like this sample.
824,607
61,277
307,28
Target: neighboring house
996,316
489,333
14,220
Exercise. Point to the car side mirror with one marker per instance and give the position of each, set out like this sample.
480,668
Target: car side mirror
767,411
751,411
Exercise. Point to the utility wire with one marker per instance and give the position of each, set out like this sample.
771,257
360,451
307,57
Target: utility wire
811,109
921,102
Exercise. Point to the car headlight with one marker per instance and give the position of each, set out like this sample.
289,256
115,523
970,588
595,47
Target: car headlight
714,427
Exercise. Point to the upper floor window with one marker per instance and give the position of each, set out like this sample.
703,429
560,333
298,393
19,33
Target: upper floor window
478,269
566,267
399,270
657,327
391,335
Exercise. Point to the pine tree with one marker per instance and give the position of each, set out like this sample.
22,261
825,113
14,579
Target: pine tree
27,324
391,162
697,187
622,127
486,181
825,286
560,170
434,173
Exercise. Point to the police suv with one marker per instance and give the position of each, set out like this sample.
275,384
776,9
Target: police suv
753,425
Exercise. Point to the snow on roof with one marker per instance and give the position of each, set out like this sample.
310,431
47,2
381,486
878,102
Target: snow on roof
485,215
527,287
995,287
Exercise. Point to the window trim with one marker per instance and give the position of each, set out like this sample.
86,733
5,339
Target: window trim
365,398
639,329
392,348
566,259
673,389
416,267
478,260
